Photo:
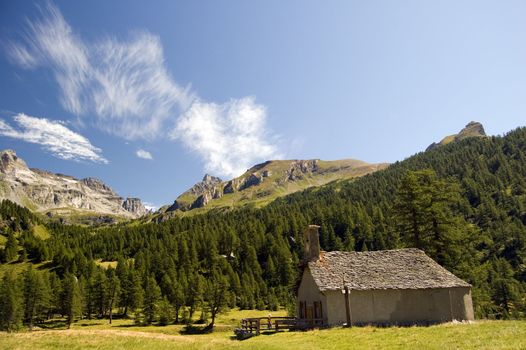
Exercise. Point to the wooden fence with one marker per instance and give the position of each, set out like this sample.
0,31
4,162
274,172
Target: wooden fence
256,325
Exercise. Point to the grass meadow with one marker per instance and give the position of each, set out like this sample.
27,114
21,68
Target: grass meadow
123,334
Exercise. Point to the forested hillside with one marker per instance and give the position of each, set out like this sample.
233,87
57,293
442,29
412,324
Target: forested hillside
463,203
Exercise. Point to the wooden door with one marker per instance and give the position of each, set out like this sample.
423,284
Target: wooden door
303,305
318,313
310,315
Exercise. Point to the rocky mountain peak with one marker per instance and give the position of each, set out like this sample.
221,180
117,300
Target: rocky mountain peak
97,185
209,179
134,206
58,194
10,161
472,129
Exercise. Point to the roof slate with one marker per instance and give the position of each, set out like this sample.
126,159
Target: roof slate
408,268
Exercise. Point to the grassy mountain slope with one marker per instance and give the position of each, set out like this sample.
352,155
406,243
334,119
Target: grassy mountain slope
265,182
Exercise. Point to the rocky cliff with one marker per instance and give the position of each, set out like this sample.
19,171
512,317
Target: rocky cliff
51,193
472,129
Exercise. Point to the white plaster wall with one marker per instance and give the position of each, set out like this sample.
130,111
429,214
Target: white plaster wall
308,291
400,306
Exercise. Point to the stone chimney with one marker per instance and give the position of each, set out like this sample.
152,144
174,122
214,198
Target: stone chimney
312,243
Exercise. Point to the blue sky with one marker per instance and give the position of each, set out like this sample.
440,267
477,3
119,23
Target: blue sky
97,88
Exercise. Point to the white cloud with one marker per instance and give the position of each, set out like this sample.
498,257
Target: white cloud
54,137
124,88
124,83
230,136
134,91
143,154
18,54
49,41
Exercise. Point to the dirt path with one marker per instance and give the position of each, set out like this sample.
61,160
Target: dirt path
108,333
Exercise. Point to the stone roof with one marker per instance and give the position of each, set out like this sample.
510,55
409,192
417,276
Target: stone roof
386,269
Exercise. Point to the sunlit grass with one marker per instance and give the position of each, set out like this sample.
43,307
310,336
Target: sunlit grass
123,334
19,267
41,232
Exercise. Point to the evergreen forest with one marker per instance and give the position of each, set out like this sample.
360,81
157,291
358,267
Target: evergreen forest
464,204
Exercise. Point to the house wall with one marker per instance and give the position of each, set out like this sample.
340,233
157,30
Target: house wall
403,306
309,292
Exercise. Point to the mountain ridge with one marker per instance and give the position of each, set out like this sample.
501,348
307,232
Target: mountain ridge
266,181
58,194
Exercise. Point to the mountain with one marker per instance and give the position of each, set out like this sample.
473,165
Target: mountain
473,129
58,194
266,181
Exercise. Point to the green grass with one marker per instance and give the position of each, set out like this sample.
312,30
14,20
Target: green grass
41,232
122,334
106,264
16,267
19,267
448,139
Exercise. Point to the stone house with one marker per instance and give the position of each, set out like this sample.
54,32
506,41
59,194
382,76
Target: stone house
402,286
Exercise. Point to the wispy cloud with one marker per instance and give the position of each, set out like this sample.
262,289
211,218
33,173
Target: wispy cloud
49,41
54,137
124,88
230,136
134,93
143,154
124,83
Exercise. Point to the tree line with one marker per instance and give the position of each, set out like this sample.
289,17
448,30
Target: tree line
34,297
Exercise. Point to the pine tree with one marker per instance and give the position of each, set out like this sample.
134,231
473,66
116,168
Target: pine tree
113,290
71,298
55,285
179,294
424,213
100,292
36,296
410,207
152,295
11,303
506,291
136,292
11,247
216,295
165,312
88,287
194,294
123,274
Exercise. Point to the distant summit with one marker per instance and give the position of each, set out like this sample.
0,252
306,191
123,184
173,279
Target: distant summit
473,129
57,194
